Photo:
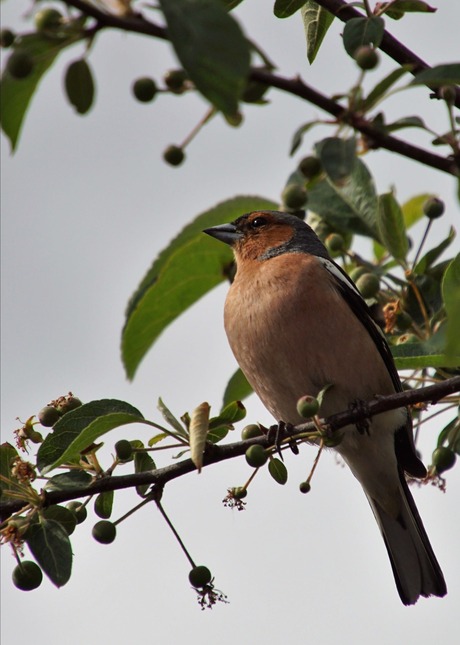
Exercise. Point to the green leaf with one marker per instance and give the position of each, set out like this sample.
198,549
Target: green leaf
231,4
186,270
223,212
69,480
429,287
391,227
217,434
379,91
362,31
50,545
7,455
406,122
17,94
433,254
316,22
61,514
379,251
337,157
298,136
157,438
170,419
78,429
286,8
398,8
103,504
450,434
412,356
448,74
422,354
278,471
212,49
220,425
143,462
231,413
79,85
352,206
322,393
237,388
413,209
451,297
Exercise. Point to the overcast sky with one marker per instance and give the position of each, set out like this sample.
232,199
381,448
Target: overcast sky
87,203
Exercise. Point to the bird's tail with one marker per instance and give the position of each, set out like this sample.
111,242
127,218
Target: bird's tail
415,568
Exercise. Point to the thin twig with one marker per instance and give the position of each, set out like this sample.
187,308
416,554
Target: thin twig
176,534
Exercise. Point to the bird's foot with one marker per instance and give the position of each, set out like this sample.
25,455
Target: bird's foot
277,433
362,425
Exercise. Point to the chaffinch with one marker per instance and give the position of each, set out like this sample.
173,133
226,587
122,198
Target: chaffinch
296,322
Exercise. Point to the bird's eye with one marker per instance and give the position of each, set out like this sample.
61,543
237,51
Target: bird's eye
258,222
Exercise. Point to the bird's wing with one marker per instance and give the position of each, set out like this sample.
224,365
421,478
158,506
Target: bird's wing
404,440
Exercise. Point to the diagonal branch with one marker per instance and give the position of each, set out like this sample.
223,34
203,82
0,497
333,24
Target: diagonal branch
134,22
215,454
138,24
378,138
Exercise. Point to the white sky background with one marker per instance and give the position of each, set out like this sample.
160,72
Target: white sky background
87,203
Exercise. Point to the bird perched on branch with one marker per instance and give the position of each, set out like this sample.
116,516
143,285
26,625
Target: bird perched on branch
296,323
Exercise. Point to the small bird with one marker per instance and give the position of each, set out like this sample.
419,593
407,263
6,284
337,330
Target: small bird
296,322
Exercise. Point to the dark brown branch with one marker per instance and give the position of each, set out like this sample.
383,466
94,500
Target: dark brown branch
430,394
390,45
378,138
134,22
138,24
215,454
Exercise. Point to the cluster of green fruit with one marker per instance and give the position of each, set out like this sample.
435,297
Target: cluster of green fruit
51,413
20,64
145,89
256,455
295,196
27,575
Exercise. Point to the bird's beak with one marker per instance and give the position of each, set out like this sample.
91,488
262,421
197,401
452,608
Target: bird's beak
227,233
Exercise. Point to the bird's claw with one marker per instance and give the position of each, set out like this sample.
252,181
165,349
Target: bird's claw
362,426
276,434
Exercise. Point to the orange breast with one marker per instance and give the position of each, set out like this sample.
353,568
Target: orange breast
292,337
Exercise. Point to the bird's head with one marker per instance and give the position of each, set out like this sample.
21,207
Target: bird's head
261,235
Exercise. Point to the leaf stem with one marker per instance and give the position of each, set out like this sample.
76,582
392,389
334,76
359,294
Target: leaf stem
175,533
315,463
207,117
157,426
149,498
421,304
422,242
368,9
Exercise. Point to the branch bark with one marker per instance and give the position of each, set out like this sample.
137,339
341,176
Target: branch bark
215,454
390,45
378,138
138,24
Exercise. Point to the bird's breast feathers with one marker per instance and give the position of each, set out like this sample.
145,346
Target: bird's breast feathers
277,326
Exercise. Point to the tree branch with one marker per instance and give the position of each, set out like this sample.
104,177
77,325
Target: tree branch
138,24
390,45
215,454
132,22
378,138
